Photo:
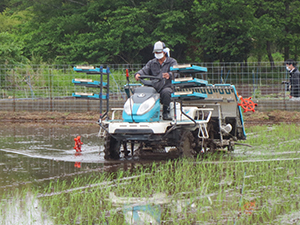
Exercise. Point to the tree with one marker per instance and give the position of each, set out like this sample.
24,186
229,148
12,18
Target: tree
114,31
3,5
50,23
104,31
10,49
223,29
287,16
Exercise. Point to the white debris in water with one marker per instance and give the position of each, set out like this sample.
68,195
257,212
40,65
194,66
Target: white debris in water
25,210
292,218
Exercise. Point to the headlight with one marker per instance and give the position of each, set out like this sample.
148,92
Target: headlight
146,106
128,106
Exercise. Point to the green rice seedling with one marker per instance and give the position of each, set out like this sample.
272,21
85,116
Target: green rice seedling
255,186
220,200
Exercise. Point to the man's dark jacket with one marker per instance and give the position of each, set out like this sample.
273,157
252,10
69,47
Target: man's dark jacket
154,68
295,83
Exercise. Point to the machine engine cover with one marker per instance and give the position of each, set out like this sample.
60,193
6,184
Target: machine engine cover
143,106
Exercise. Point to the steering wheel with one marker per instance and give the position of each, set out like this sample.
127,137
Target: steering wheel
149,82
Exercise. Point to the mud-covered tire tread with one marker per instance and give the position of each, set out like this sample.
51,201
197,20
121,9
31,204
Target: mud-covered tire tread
198,142
111,148
187,144
209,145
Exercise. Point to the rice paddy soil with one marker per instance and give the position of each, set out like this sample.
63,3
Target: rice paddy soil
257,185
255,118
275,116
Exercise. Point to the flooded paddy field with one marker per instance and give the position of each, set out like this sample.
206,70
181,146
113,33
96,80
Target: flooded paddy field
44,181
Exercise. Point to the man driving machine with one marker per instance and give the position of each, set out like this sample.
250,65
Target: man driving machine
159,67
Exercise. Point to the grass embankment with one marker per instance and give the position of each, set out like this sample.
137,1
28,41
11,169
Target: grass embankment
90,117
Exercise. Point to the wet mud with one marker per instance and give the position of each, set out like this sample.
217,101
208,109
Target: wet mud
34,153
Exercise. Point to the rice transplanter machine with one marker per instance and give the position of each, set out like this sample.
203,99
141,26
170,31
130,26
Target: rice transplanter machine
205,117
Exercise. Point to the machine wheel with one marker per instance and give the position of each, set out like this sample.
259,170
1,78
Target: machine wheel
187,144
111,147
230,147
209,145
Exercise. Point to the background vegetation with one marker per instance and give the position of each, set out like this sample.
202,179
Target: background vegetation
114,31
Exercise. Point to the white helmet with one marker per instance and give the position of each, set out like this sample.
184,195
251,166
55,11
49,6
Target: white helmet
159,47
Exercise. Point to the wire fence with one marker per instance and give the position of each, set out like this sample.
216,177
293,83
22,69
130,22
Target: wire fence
49,87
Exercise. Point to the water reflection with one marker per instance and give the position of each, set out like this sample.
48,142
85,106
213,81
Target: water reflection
30,152
23,210
32,155
55,143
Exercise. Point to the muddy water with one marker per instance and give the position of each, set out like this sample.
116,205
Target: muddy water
35,152
33,155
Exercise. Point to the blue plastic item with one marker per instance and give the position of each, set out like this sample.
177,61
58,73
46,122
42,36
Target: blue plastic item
188,69
193,95
89,84
89,69
191,83
94,96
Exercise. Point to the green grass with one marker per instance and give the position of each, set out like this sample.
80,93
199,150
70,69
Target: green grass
44,81
207,192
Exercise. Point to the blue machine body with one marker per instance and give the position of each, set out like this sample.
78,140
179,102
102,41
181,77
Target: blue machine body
142,106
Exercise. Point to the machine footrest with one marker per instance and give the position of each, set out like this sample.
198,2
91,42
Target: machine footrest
189,122
202,124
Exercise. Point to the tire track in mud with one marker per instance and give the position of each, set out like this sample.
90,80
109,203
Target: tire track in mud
249,161
102,169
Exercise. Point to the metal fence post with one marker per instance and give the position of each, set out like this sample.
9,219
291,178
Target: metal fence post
50,83
14,90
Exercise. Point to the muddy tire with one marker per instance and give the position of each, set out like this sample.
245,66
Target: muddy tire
111,147
187,144
209,145
230,147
